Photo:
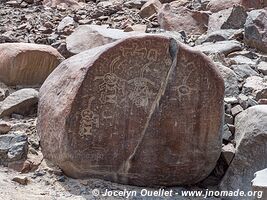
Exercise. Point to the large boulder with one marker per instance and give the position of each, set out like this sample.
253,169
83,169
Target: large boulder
226,19
251,145
256,29
89,36
27,64
218,5
178,18
144,110
221,47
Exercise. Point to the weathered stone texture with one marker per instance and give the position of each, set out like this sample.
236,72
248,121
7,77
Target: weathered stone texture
27,64
143,111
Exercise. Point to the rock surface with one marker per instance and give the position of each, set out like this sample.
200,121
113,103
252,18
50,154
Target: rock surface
27,64
230,81
89,36
223,47
20,102
13,147
226,19
218,5
121,104
251,132
256,28
182,19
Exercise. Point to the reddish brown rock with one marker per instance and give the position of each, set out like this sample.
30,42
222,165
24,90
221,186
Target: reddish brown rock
178,18
143,111
149,8
67,3
255,4
218,5
27,64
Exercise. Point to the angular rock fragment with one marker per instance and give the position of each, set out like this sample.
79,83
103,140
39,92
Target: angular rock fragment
223,47
22,102
230,81
254,85
255,29
179,18
262,67
251,146
218,5
227,19
143,102
150,8
27,64
13,147
5,127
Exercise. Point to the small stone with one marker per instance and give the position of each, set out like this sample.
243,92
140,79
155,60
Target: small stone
67,21
84,182
262,67
149,8
2,94
228,119
262,101
13,147
137,27
262,94
231,128
61,179
228,152
243,71
230,100
243,101
252,102
253,85
23,180
5,127
226,133
236,110
230,81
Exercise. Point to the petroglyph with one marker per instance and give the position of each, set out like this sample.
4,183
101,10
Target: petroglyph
111,85
141,94
120,103
88,120
183,90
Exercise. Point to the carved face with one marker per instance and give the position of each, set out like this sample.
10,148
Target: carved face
111,79
184,90
87,114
